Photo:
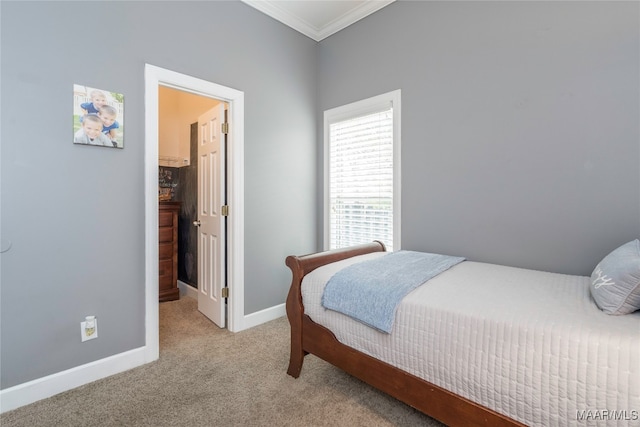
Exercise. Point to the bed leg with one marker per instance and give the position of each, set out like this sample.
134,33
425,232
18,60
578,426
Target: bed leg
297,353
295,363
295,314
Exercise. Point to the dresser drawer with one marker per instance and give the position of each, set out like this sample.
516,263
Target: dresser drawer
165,234
165,267
165,251
166,282
168,251
165,219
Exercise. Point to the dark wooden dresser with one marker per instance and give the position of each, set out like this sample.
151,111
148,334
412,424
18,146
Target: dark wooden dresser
168,251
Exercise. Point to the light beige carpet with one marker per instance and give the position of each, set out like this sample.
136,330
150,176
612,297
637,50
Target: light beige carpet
211,377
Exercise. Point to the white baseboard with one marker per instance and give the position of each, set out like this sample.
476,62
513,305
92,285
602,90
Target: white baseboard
41,388
248,321
263,316
187,290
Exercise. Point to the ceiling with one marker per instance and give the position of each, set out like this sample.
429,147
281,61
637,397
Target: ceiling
318,19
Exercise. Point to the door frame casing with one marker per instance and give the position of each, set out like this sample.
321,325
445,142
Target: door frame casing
155,77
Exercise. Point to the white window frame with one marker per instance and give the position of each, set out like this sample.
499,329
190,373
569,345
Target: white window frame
357,109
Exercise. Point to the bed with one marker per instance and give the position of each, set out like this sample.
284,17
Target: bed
481,344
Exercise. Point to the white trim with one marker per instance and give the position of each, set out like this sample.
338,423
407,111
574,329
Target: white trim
187,290
266,315
41,388
278,12
361,108
151,206
351,17
154,77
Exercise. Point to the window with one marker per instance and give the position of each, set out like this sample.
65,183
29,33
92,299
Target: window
362,172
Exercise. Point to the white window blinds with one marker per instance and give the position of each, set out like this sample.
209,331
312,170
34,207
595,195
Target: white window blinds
361,184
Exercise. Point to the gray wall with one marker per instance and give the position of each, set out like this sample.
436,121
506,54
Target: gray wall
75,214
520,140
520,145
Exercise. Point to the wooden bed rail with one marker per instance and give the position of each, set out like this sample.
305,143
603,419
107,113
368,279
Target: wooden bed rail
304,264
310,337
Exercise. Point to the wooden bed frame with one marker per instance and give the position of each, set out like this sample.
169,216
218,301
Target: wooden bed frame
310,337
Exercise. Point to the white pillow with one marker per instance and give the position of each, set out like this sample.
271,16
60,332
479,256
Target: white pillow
615,282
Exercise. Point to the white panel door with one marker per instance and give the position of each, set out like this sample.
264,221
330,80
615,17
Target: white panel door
211,231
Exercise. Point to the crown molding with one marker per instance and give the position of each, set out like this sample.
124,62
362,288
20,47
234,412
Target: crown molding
272,9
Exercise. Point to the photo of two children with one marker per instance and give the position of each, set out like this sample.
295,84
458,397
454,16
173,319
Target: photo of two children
97,117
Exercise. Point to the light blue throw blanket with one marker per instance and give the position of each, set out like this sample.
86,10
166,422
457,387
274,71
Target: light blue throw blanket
370,291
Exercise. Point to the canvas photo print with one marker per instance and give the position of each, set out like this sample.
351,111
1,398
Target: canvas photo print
98,117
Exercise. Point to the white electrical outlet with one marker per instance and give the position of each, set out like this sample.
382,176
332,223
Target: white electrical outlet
89,328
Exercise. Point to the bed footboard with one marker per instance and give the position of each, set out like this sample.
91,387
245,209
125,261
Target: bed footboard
310,337
301,266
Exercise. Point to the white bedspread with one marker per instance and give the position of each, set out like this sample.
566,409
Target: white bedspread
528,344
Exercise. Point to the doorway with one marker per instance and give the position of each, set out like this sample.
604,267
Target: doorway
192,165
155,77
